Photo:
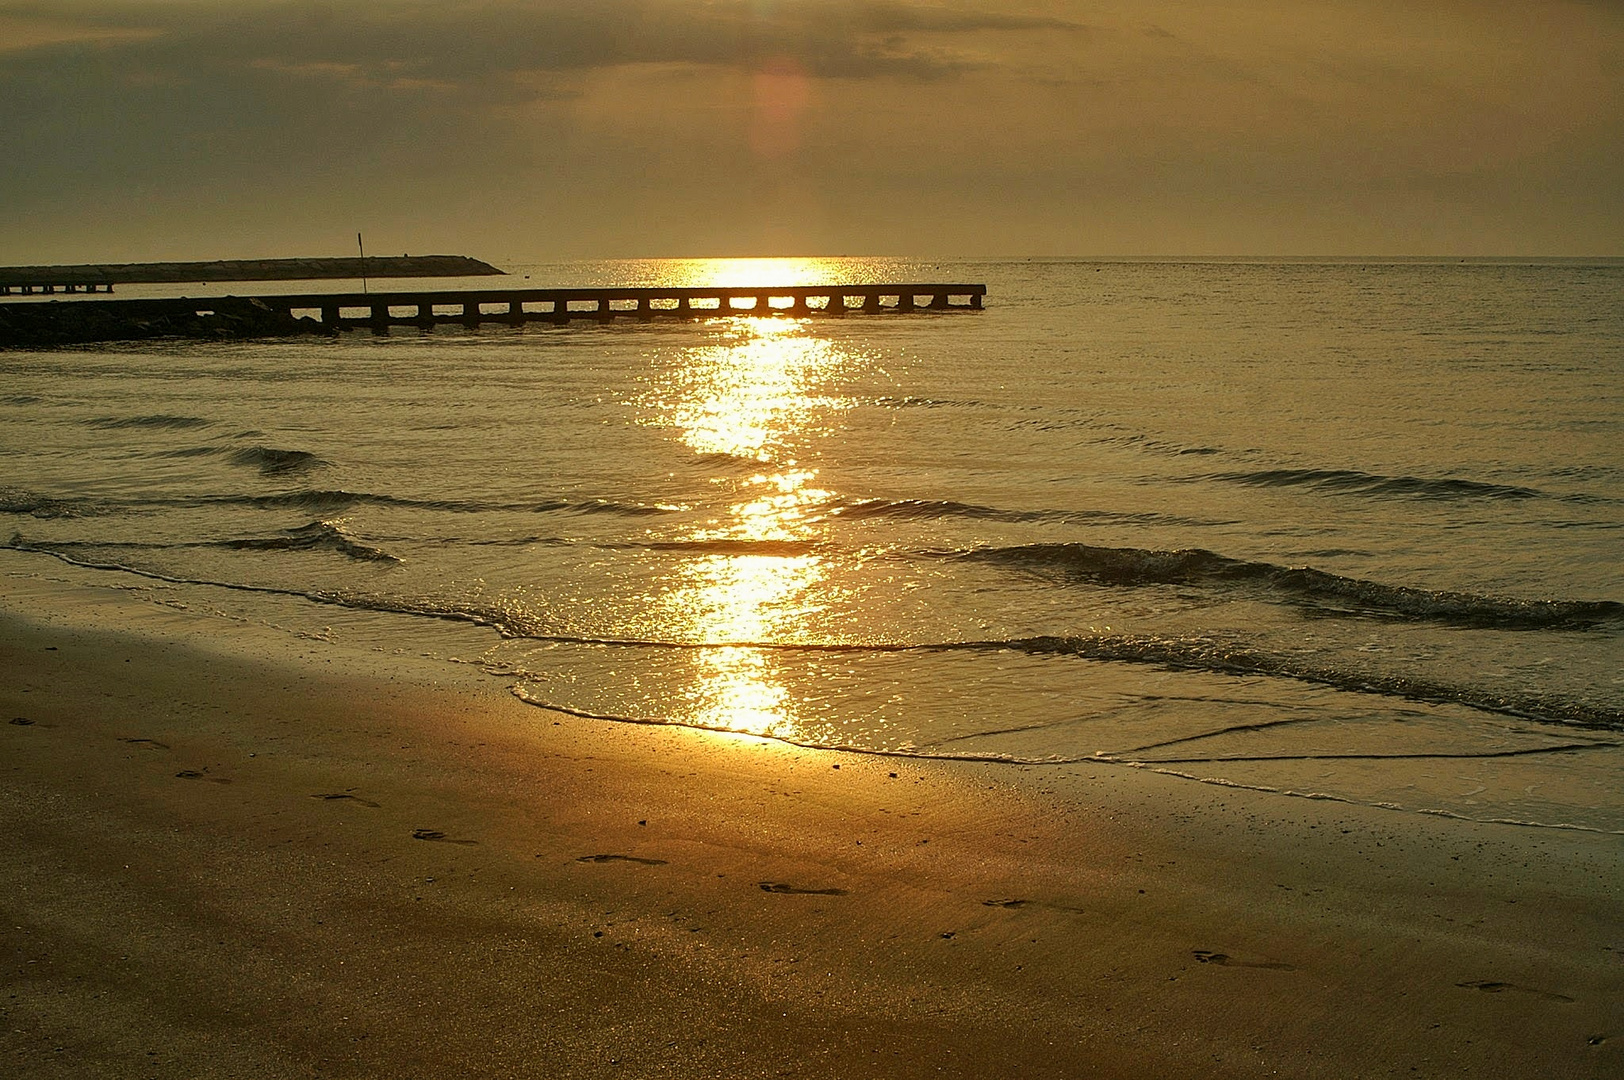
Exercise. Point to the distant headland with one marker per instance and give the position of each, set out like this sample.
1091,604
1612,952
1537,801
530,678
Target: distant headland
101,277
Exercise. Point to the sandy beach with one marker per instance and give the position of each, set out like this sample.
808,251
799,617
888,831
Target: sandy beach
233,853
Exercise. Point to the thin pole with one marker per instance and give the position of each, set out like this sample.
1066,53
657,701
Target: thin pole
363,248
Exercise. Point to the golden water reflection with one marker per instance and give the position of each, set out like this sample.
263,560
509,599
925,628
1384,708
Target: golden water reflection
759,396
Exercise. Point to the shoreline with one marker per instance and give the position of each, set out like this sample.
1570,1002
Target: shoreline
239,852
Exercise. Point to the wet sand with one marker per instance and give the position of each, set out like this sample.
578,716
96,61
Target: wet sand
229,852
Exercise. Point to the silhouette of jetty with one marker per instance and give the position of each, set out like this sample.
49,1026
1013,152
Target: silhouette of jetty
101,277
26,324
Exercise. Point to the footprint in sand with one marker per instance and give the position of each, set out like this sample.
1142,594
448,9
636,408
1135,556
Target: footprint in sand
345,795
435,834
193,774
794,890
1014,904
1206,956
621,858
150,744
1491,987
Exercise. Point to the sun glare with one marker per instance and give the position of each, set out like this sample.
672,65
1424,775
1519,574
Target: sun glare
746,273
751,398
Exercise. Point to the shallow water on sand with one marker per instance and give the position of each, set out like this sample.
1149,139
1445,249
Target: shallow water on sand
1345,529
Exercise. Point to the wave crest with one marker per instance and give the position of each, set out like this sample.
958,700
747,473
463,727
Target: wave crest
1354,482
273,462
316,536
1197,566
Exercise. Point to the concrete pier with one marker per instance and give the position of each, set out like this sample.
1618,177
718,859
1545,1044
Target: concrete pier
83,320
472,307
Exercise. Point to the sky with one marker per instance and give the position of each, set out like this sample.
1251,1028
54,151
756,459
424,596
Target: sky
539,130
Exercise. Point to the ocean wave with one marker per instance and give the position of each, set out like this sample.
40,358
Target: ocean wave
193,451
1354,482
273,462
321,501
20,501
157,420
337,499
1196,566
1182,654
316,536
936,509
1186,654
731,546
911,402
1196,654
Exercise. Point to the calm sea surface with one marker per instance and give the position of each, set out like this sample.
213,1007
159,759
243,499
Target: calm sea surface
1352,530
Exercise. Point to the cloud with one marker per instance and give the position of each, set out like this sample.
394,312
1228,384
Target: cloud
476,45
852,124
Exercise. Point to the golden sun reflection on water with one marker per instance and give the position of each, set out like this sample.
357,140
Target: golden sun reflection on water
767,273
754,398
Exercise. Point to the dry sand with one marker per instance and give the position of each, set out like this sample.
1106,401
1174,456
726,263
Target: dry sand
230,853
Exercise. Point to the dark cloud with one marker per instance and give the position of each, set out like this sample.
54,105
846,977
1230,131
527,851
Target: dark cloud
408,43
206,128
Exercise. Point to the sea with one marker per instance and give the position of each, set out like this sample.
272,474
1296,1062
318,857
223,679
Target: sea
1338,529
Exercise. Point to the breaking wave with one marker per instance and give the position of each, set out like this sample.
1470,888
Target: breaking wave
1354,482
1197,654
316,536
1196,566
273,462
